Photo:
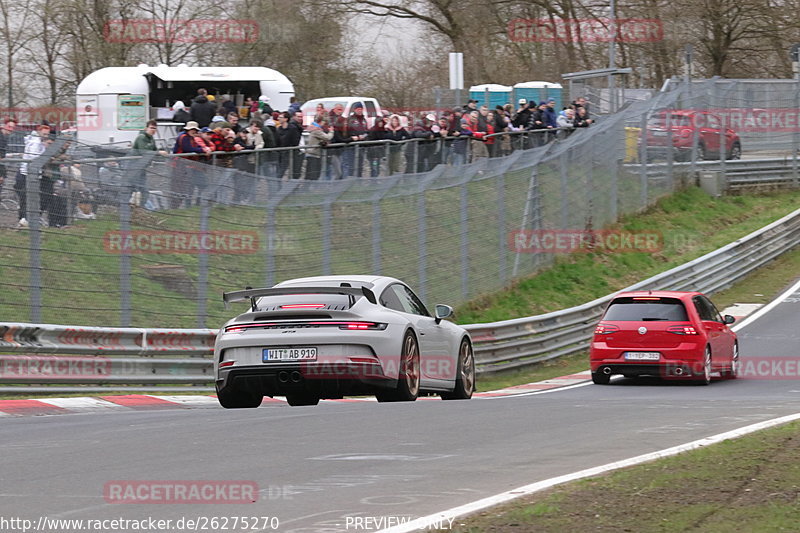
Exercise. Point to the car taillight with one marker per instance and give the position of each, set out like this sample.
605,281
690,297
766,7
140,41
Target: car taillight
682,330
361,325
233,329
226,363
605,329
303,306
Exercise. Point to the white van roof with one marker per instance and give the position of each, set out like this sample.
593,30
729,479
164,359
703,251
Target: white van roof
121,80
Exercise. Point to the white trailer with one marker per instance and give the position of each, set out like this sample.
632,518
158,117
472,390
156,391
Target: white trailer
114,103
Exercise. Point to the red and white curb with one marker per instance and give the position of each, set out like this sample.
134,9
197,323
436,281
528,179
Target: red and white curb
145,402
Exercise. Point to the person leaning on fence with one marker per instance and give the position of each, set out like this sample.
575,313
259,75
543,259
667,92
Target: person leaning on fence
145,142
537,124
566,122
376,152
6,131
186,143
582,119
396,132
58,203
319,135
338,122
34,147
289,135
477,146
425,146
357,130
81,196
222,137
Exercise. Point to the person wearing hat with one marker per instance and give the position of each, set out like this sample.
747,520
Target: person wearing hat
180,116
426,147
222,138
186,143
470,106
357,129
538,121
551,115
263,106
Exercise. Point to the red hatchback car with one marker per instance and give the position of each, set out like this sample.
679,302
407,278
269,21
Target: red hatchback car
670,334
684,124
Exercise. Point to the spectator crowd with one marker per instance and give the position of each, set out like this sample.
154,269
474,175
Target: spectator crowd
327,145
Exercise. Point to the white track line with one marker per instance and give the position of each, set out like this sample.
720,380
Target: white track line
470,508
767,308
83,404
189,400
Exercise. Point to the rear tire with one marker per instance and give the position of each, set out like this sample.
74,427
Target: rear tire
408,378
702,153
465,374
736,151
598,378
704,376
733,371
302,398
231,398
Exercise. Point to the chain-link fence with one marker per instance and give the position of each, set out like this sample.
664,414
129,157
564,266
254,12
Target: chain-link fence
152,241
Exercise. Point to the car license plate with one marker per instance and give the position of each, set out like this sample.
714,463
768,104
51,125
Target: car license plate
299,353
642,356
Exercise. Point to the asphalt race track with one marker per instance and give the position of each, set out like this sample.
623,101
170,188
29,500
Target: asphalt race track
319,468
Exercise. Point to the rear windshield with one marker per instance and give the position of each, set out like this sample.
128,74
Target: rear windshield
632,309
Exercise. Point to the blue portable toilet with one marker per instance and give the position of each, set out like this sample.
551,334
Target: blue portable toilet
490,94
537,91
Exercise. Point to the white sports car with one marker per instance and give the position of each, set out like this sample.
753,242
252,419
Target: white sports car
331,336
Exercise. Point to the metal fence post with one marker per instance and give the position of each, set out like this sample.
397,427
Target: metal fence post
614,196
796,136
423,243
644,160
33,202
501,228
202,266
376,236
562,170
464,227
326,237
269,252
125,285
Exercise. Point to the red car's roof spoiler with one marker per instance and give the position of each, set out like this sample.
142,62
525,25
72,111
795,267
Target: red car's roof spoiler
251,294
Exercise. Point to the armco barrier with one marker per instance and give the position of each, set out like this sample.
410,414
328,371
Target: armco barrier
98,354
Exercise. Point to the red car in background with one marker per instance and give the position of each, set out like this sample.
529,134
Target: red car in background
671,334
684,124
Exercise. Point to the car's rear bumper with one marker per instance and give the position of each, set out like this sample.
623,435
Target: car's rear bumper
326,379
674,362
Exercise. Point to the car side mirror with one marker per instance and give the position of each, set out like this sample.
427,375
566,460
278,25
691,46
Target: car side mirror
728,319
442,311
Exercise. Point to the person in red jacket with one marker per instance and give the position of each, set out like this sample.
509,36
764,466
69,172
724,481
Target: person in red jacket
476,143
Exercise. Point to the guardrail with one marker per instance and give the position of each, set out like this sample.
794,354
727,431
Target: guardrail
182,357
738,174
516,343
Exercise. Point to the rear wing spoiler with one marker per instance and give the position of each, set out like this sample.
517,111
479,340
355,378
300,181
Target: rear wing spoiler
251,294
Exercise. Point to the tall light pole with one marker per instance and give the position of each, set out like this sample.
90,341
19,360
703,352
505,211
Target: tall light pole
612,56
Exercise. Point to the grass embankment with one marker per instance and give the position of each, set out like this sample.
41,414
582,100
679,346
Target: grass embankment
691,223
747,484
